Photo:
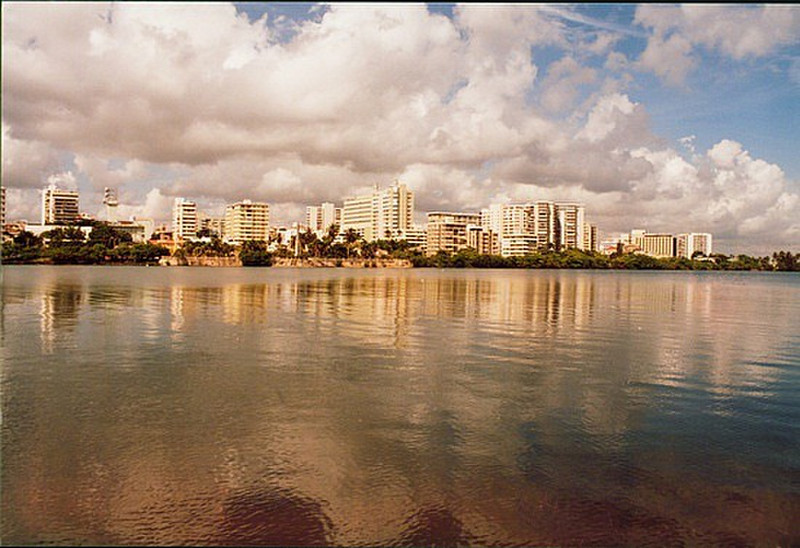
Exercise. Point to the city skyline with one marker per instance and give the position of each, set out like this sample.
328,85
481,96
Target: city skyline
652,116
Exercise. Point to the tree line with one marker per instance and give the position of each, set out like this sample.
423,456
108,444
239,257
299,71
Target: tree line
105,245
69,245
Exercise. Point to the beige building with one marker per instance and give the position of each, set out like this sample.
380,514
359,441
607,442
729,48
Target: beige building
517,245
59,206
246,220
522,228
657,245
448,231
590,241
482,240
382,214
184,219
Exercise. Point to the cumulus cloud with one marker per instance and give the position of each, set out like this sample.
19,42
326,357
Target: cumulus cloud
161,101
738,32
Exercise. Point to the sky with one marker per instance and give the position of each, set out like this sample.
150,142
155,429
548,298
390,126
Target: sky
664,117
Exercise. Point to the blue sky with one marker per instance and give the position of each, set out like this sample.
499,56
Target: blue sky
662,117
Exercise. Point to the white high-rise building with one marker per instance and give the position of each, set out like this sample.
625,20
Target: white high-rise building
59,206
184,219
382,214
320,218
2,206
570,225
246,220
688,244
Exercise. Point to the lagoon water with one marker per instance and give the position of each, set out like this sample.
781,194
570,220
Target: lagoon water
399,407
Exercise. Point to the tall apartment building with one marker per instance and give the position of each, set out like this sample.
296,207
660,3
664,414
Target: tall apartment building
59,206
448,231
522,228
246,220
320,218
569,225
482,240
687,245
544,224
382,214
590,242
184,219
2,206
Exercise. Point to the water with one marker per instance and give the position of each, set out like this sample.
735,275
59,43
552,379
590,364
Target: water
399,407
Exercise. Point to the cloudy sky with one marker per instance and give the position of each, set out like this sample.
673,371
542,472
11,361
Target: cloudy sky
668,118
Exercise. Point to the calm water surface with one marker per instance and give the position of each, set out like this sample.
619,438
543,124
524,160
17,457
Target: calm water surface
399,407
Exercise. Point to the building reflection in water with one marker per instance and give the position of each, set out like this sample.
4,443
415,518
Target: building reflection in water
386,408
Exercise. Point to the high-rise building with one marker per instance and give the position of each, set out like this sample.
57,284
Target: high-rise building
382,214
544,222
689,244
320,218
2,206
482,240
184,219
522,228
246,220
569,225
59,206
448,231
590,242
111,202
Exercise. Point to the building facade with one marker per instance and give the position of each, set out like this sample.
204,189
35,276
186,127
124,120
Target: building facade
569,225
658,245
246,220
448,231
382,214
59,206
320,218
184,219
686,245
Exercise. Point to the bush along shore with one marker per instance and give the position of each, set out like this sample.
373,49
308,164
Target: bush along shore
104,245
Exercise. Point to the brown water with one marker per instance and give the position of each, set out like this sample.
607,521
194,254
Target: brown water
399,407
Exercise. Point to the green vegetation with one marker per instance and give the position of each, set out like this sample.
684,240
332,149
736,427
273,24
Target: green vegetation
108,246
572,258
70,246
254,253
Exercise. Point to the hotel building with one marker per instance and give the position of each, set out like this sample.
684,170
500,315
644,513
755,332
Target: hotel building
382,214
59,206
246,220
184,219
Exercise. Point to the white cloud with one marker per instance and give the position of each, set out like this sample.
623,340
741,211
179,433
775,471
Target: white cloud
164,101
739,32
